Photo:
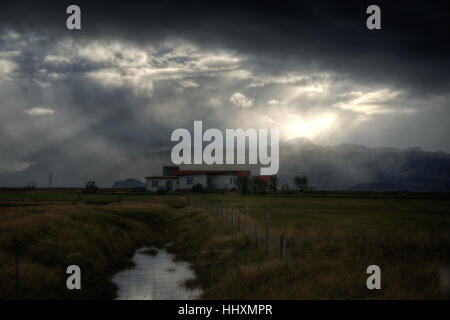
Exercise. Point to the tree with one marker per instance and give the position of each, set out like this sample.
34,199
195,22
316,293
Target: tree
285,188
273,183
260,185
301,183
198,188
243,184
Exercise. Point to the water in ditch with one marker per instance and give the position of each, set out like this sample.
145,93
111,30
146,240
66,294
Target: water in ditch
155,277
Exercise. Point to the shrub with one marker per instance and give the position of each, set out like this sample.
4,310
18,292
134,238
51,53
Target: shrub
198,188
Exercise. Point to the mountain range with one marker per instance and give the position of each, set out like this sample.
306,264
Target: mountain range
340,167
355,167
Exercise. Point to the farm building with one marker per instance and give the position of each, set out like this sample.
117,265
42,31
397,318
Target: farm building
161,183
185,180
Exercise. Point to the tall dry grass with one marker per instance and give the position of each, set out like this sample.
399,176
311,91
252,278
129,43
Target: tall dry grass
47,238
330,258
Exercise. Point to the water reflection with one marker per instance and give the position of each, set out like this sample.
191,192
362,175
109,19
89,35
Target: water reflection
155,277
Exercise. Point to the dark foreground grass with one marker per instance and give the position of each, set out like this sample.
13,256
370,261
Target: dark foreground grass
330,258
49,238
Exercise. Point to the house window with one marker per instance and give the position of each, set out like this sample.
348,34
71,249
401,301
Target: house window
189,180
231,180
155,183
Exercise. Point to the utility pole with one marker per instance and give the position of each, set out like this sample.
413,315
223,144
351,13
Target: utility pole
50,180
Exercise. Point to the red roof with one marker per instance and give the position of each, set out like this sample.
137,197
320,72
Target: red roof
244,173
263,178
212,172
162,177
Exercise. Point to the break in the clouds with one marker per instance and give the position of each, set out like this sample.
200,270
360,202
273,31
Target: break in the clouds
101,100
39,111
240,100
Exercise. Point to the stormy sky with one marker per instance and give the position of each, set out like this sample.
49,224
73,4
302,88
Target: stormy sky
100,102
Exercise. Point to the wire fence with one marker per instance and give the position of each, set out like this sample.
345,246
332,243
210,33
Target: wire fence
264,242
261,238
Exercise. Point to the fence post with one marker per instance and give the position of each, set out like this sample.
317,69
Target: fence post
246,220
364,246
282,247
232,218
432,237
267,231
293,248
17,273
239,222
256,235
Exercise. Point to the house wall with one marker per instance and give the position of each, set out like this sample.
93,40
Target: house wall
198,178
223,182
227,182
161,184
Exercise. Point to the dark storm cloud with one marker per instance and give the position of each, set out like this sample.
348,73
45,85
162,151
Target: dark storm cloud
410,51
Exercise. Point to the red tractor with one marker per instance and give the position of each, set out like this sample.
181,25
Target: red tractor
30,186
91,187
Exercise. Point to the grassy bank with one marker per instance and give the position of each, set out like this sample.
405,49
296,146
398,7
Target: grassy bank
49,237
336,238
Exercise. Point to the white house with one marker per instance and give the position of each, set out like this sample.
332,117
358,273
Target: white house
161,183
185,180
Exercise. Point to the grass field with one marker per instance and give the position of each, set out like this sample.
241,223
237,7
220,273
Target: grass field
336,237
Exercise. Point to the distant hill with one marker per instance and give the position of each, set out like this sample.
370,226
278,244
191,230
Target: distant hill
355,167
128,183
